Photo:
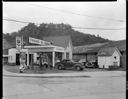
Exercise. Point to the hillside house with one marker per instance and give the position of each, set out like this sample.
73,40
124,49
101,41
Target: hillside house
108,56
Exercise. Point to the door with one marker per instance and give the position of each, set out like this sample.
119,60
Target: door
26,60
30,58
17,59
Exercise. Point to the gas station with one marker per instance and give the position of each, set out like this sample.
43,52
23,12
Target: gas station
45,49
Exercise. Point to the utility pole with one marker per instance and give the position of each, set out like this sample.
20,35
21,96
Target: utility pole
22,42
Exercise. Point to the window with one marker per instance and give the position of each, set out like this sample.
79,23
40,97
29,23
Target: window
115,63
114,57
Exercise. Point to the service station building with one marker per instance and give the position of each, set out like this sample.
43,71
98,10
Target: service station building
60,48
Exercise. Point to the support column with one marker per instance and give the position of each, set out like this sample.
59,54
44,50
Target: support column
32,67
70,55
27,59
53,58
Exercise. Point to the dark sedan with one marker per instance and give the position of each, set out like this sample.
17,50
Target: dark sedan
69,64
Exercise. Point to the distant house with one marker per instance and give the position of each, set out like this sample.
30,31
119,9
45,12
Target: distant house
87,52
6,46
108,56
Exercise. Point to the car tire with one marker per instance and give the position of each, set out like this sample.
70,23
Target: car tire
46,65
60,66
20,71
78,68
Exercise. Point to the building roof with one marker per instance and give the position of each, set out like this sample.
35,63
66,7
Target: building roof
61,41
107,51
121,45
92,48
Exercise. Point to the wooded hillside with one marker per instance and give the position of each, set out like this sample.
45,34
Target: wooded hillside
31,30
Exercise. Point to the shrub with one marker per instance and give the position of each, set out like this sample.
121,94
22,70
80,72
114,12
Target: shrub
113,67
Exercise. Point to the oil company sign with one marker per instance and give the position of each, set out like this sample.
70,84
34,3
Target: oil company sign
38,41
18,42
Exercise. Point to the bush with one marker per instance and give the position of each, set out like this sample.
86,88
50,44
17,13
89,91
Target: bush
113,67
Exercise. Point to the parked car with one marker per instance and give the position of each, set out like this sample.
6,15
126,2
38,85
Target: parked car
91,65
83,61
69,64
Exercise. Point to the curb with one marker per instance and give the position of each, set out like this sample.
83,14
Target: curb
59,76
9,74
54,75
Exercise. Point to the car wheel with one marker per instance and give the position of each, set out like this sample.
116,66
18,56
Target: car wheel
46,65
60,66
78,68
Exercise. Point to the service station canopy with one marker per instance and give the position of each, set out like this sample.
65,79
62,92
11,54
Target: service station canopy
46,48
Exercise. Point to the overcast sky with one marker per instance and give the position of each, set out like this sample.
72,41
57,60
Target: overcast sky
41,12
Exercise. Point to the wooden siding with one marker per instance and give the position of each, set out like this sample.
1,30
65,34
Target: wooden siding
123,60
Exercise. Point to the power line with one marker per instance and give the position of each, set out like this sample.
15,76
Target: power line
109,19
99,28
7,19
12,20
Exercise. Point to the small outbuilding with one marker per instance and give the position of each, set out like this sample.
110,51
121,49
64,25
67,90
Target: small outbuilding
108,56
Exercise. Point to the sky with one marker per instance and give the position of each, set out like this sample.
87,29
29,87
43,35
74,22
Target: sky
78,14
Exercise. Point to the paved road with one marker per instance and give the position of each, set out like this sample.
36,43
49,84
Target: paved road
102,87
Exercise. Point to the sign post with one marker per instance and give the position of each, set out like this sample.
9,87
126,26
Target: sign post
19,46
18,43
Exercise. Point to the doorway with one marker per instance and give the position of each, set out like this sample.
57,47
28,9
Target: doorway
17,59
30,58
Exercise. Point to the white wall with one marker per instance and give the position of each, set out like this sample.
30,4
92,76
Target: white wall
69,50
104,61
108,60
12,53
117,58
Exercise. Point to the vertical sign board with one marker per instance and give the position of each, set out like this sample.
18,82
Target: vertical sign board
18,42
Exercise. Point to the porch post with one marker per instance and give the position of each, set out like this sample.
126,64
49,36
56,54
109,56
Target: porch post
32,61
27,58
53,58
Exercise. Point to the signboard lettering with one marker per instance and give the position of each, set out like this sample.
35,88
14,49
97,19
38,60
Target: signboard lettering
38,41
